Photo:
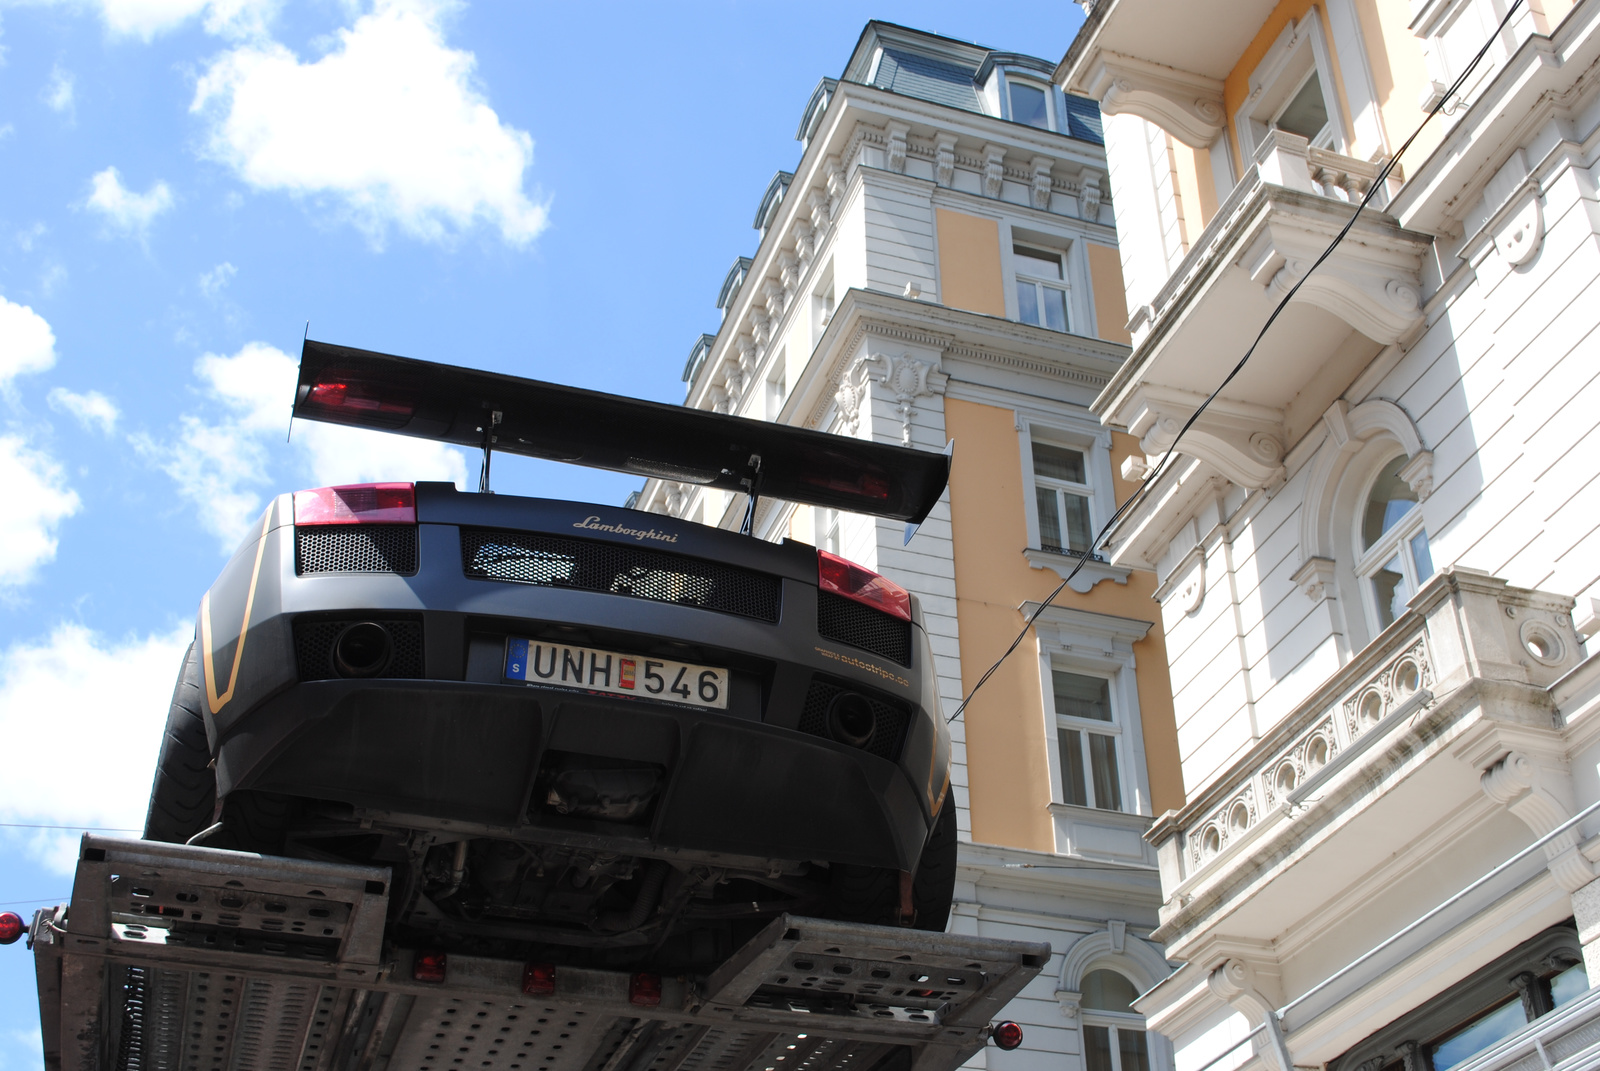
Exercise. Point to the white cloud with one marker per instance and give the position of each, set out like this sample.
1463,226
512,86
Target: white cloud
92,409
148,18
57,93
37,501
390,123
222,462
26,342
26,237
109,698
125,210
212,282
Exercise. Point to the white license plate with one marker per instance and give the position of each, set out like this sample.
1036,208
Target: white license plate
615,673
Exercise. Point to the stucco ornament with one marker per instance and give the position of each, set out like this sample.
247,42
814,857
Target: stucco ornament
1190,591
1519,235
907,378
852,391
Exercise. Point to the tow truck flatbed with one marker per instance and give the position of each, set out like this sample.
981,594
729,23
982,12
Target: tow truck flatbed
178,958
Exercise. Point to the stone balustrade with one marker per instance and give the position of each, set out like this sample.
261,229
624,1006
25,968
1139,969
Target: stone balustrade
1464,628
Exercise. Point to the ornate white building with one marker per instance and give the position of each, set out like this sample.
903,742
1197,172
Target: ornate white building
941,264
1377,553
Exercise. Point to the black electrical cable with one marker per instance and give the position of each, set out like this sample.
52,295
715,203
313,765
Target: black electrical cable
1155,473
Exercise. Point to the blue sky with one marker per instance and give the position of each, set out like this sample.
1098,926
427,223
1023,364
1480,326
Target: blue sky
550,190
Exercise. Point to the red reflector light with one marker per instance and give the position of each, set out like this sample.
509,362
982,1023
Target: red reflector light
644,990
358,503
844,577
11,927
1007,1035
539,979
428,967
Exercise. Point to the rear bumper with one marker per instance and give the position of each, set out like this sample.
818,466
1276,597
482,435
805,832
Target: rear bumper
470,755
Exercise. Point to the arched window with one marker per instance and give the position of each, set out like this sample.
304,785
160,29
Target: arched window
1392,555
1113,1033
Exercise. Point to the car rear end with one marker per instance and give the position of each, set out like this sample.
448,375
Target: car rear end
573,673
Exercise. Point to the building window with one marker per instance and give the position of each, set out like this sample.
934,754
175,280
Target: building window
1029,104
1041,287
1087,734
1393,558
1489,1005
777,388
1113,1033
1306,113
1289,90
1062,493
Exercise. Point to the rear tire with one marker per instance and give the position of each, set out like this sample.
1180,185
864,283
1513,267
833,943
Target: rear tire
184,795
872,894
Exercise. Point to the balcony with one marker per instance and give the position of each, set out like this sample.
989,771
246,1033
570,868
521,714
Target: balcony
1421,763
1292,202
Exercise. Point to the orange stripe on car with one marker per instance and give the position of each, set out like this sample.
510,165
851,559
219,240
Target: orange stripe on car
213,700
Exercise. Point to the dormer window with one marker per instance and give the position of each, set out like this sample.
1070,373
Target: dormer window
1029,104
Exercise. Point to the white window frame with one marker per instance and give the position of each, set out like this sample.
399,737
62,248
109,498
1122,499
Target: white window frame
1087,726
1075,269
1116,1021
1020,278
1301,48
1095,645
1396,541
1091,438
776,387
1052,108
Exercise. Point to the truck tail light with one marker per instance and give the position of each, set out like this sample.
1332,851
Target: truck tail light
358,503
429,967
644,989
11,927
844,577
539,979
1007,1035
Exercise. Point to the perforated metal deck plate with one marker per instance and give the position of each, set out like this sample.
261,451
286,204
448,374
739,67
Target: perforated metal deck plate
148,995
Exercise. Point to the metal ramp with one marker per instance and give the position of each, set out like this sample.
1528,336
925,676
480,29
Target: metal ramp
174,958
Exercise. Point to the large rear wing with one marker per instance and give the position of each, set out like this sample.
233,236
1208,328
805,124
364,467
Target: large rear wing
446,403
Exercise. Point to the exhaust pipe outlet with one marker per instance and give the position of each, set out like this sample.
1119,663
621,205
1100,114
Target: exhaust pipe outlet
851,719
362,650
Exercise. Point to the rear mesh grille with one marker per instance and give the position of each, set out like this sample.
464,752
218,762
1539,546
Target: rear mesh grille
353,548
859,625
553,561
313,646
888,736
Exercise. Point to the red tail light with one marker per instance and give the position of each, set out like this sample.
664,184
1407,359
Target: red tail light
12,927
846,578
429,967
359,503
644,990
539,979
338,394
1007,1035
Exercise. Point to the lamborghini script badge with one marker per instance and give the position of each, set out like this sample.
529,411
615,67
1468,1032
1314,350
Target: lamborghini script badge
594,524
